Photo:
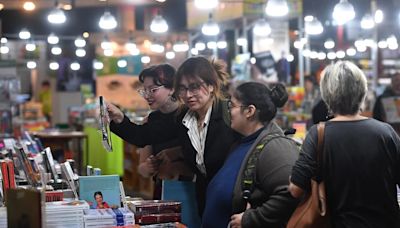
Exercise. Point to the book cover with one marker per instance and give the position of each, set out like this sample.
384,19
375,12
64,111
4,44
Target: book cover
21,215
105,125
49,161
66,170
100,191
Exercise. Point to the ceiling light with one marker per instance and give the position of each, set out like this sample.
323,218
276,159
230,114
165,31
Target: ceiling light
180,46
170,55
107,21
290,58
367,22
241,41
321,56
3,40
382,44
200,46
361,48
222,44
75,66
331,55
1,6
85,35
261,28
30,46
67,7
340,54
56,16
253,60
159,24
106,43
29,6
122,63
54,66
206,4
31,64
343,12
194,51
277,8
134,51
313,55
130,45
145,59
157,48
210,28
329,44
97,65
4,49
313,26
80,42
80,52
108,52
351,52
306,53
211,45
53,39
24,34
378,16
56,50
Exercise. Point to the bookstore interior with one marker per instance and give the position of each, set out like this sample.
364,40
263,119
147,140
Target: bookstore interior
62,62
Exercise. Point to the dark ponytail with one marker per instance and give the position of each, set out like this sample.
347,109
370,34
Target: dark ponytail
265,100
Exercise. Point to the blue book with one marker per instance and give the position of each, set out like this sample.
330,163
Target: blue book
100,191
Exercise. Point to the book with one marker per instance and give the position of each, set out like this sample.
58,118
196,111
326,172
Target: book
21,215
66,170
100,191
105,125
49,163
157,218
32,177
154,207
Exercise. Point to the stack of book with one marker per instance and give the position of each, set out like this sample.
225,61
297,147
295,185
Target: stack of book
65,213
103,218
155,211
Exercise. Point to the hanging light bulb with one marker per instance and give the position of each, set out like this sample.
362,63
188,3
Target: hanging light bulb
106,43
351,51
53,39
56,50
321,55
340,54
24,34
194,51
290,58
378,18
56,16
382,44
200,46
31,64
210,28
241,41
159,24
31,46
329,44
157,48
170,55
343,12
277,8
211,45
367,22
54,66
130,45
134,52
222,44
80,52
180,46
107,21
313,26
108,52
4,49
145,59
97,65
262,28
3,40
331,55
75,66
29,6
206,4
80,42
122,63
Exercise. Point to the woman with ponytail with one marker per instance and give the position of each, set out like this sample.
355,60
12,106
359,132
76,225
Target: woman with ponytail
267,203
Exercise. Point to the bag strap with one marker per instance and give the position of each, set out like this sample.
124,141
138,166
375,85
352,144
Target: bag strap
248,175
320,148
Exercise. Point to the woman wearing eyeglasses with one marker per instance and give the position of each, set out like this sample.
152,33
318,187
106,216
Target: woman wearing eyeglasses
157,90
267,203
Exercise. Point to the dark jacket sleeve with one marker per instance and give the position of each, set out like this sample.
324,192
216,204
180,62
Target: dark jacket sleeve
273,170
152,132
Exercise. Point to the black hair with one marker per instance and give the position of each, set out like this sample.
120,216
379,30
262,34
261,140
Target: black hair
312,79
162,74
98,193
45,83
264,99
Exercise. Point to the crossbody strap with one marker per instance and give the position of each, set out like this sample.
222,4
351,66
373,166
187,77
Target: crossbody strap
320,148
249,171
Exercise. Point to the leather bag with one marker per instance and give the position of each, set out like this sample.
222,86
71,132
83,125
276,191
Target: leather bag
312,211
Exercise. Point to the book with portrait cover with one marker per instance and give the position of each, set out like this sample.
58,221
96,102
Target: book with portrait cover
100,191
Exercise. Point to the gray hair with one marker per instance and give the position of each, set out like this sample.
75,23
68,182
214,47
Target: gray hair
343,88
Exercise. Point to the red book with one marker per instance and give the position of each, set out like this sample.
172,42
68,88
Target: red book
11,174
4,172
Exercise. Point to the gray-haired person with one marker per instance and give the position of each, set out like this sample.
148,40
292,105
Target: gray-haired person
361,156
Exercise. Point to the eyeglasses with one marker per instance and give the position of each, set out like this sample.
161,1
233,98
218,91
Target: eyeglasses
193,88
149,92
232,105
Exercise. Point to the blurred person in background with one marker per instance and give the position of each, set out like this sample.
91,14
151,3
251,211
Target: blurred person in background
253,107
361,156
45,98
